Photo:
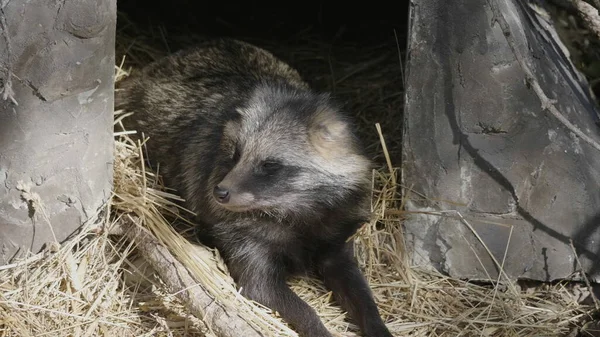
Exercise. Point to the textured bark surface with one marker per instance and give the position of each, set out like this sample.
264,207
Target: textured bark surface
478,133
223,319
56,118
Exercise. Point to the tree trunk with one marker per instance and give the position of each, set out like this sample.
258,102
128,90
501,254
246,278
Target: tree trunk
482,130
56,119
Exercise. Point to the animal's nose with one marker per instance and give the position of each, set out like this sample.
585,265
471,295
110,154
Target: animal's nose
221,194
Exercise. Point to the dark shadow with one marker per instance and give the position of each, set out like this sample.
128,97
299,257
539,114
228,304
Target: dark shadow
589,231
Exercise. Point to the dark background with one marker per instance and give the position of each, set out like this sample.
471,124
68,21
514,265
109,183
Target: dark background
277,20
351,50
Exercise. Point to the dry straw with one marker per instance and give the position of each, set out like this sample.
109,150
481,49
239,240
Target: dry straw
101,284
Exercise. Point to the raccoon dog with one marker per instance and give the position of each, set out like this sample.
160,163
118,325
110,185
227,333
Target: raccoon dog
273,170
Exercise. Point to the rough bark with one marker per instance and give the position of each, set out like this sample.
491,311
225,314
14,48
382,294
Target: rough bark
589,15
500,123
56,119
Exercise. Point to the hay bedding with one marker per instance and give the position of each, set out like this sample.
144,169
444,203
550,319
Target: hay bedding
98,284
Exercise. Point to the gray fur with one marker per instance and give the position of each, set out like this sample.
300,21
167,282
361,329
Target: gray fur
230,115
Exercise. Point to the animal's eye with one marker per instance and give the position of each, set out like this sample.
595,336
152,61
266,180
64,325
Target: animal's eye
270,166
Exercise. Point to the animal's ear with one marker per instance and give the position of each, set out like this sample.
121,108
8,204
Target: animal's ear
229,136
328,132
231,129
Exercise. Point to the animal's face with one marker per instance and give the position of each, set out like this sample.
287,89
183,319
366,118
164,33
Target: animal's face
288,157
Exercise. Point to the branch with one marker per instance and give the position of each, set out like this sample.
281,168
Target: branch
589,15
596,4
224,322
547,103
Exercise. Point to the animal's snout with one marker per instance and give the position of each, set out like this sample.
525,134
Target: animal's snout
221,194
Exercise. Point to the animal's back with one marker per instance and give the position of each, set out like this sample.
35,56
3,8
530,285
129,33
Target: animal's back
198,82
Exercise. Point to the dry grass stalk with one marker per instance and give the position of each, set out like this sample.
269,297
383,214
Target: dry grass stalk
74,289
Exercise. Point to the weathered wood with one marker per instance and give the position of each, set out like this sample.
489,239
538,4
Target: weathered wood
223,320
498,120
56,118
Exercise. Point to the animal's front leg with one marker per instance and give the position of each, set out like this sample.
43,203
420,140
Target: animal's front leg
264,281
341,274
